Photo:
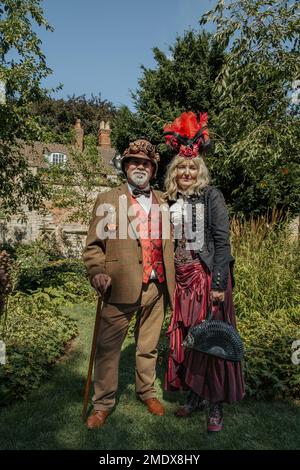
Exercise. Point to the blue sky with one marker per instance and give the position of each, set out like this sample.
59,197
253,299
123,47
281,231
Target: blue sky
99,45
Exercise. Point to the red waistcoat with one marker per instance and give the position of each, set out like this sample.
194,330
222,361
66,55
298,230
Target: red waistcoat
150,230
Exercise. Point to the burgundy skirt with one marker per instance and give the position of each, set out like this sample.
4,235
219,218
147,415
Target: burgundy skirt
211,378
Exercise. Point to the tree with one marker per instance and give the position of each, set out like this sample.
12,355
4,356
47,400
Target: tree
22,68
183,80
58,116
126,126
257,126
244,76
73,185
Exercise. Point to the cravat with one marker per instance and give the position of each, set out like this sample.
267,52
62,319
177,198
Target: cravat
136,192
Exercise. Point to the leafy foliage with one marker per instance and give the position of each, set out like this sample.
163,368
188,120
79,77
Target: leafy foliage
5,279
36,334
22,68
126,127
183,80
37,325
58,116
40,265
244,77
256,118
73,186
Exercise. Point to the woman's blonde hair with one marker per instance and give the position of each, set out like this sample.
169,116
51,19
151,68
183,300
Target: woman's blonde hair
203,178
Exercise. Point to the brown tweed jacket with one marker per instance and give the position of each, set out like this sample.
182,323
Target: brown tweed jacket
120,256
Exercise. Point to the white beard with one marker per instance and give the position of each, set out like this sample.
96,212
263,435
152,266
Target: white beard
139,179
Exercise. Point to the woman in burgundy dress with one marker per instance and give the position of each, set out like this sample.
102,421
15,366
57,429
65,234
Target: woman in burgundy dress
203,273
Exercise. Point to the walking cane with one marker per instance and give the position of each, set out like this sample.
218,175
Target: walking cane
91,363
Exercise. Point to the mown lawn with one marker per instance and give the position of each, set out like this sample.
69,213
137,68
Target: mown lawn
50,418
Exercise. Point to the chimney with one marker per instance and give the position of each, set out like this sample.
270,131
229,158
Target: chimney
104,135
78,135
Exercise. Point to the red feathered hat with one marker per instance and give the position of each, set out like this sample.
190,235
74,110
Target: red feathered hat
188,136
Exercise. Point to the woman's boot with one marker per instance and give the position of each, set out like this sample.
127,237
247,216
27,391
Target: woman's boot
194,402
215,417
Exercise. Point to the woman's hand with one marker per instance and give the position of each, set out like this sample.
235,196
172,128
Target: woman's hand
217,295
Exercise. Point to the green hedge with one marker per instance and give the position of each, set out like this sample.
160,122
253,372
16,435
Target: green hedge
37,331
40,265
64,273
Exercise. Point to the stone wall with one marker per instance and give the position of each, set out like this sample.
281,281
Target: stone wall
52,221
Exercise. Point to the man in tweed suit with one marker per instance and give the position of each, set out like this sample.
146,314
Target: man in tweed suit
129,259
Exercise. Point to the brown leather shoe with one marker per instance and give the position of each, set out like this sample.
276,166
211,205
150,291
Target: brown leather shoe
97,419
154,406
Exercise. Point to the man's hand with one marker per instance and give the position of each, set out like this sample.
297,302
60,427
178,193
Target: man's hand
101,283
217,296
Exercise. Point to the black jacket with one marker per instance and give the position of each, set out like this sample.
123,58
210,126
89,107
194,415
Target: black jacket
215,252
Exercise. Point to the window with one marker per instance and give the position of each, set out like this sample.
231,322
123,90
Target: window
57,158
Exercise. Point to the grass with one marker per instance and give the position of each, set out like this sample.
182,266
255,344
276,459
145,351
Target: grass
50,418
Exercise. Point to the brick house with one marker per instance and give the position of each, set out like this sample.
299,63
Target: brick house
53,221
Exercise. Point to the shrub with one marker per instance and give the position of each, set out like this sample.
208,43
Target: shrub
38,271
69,275
41,265
35,336
30,261
34,328
268,368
